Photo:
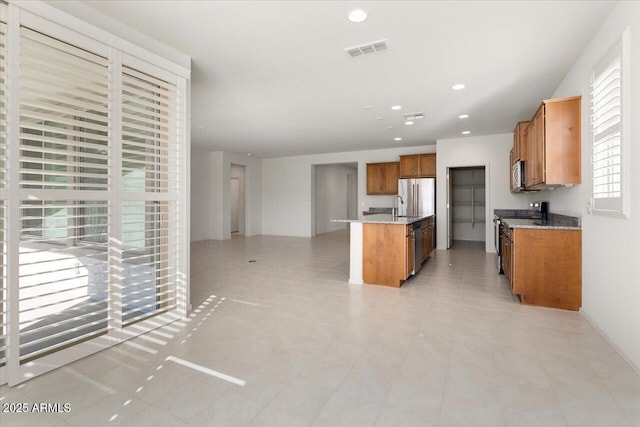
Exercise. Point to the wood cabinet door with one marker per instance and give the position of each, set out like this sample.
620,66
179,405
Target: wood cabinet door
382,178
562,150
525,144
427,166
410,166
425,242
539,145
518,141
374,178
534,161
409,261
390,178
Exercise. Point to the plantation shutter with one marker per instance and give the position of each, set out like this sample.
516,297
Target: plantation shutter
64,202
93,241
3,196
606,121
150,149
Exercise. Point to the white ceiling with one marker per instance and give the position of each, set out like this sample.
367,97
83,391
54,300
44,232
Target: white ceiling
271,77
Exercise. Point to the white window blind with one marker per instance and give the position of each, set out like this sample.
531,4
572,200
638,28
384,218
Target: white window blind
149,113
150,146
63,254
607,128
3,288
3,185
63,115
63,283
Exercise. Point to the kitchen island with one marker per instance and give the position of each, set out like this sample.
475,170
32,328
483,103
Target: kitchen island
386,250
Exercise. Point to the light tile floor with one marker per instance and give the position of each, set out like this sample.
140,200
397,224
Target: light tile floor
450,348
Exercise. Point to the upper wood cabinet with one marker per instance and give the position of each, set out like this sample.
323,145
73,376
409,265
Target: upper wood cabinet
518,141
551,148
418,166
519,150
382,178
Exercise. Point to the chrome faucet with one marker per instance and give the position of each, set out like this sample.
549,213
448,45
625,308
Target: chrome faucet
395,210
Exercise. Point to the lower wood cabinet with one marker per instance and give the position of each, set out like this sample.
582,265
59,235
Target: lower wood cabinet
387,253
428,238
544,266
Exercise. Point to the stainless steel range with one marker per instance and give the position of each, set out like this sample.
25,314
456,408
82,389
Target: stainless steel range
537,210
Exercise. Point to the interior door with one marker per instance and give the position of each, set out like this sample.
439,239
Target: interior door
235,205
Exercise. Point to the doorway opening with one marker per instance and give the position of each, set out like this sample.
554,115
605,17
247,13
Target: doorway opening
237,201
336,196
466,206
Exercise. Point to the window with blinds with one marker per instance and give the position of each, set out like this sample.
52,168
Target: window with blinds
607,128
65,161
64,157
149,123
92,240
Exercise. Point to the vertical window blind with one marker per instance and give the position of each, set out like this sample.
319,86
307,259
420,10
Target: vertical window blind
606,122
96,176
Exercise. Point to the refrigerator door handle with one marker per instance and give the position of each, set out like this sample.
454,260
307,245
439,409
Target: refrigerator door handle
418,200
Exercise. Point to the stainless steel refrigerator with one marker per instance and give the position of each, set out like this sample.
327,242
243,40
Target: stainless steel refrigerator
418,195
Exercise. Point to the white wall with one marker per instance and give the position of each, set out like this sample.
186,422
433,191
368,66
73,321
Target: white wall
332,196
206,194
288,202
211,194
610,246
492,152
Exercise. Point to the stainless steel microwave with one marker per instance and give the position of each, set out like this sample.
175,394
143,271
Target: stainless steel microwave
517,175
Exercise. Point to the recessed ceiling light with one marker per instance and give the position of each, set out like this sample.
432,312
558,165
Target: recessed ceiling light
367,107
389,127
457,86
249,154
396,107
201,127
466,132
357,15
408,123
379,118
463,116
397,139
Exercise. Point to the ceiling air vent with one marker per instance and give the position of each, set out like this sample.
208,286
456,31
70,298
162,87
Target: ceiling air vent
413,116
367,48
